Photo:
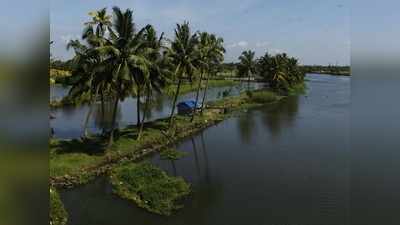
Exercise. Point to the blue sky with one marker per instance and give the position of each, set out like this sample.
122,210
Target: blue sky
316,32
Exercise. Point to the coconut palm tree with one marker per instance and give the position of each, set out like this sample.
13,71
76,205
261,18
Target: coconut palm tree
215,58
247,65
100,20
125,56
158,71
183,53
203,61
85,85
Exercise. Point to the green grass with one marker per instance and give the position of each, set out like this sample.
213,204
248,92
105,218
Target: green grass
262,97
172,154
298,89
149,187
72,164
186,88
58,215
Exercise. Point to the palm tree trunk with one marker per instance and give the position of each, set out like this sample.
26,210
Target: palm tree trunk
92,102
111,140
146,107
204,95
102,109
138,107
197,97
248,82
171,118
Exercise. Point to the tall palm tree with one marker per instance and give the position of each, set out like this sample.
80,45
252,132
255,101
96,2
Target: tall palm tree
85,82
215,58
203,61
247,65
125,53
183,53
94,33
158,70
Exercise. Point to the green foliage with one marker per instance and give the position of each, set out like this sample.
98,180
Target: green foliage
149,187
58,215
247,64
262,97
172,154
280,71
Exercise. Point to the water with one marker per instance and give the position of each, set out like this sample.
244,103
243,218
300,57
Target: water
68,122
281,164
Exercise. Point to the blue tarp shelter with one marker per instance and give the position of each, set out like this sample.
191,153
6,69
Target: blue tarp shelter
186,107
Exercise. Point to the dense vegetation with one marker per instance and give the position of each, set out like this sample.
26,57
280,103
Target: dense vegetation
280,71
150,187
117,60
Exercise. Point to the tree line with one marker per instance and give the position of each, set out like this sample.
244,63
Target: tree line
115,59
280,71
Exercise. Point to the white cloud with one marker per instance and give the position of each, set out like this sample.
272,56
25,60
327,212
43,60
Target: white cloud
68,37
262,44
241,44
276,51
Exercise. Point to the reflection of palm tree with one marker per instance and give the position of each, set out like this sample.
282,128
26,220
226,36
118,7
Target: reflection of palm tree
103,116
174,168
281,113
246,125
196,159
207,168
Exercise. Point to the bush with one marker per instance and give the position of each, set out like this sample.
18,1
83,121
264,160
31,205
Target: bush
150,187
263,97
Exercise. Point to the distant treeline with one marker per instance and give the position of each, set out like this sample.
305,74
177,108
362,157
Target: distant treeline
61,65
330,69
230,69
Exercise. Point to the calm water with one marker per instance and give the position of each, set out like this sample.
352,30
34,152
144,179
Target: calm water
68,122
282,164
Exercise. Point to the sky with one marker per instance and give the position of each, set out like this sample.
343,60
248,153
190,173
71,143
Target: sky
314,31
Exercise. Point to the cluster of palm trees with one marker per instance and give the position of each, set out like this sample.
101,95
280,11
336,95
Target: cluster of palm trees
279,71
115,60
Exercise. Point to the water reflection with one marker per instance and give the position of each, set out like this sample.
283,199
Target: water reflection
103,116
68,120
298,177
280,115
247,125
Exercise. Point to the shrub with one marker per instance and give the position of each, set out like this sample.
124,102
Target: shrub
263,97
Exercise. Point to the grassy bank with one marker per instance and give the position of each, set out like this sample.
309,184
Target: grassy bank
74,162
149,187
186,88
58,215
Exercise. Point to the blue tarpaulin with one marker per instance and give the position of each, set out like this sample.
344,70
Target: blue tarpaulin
186,106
